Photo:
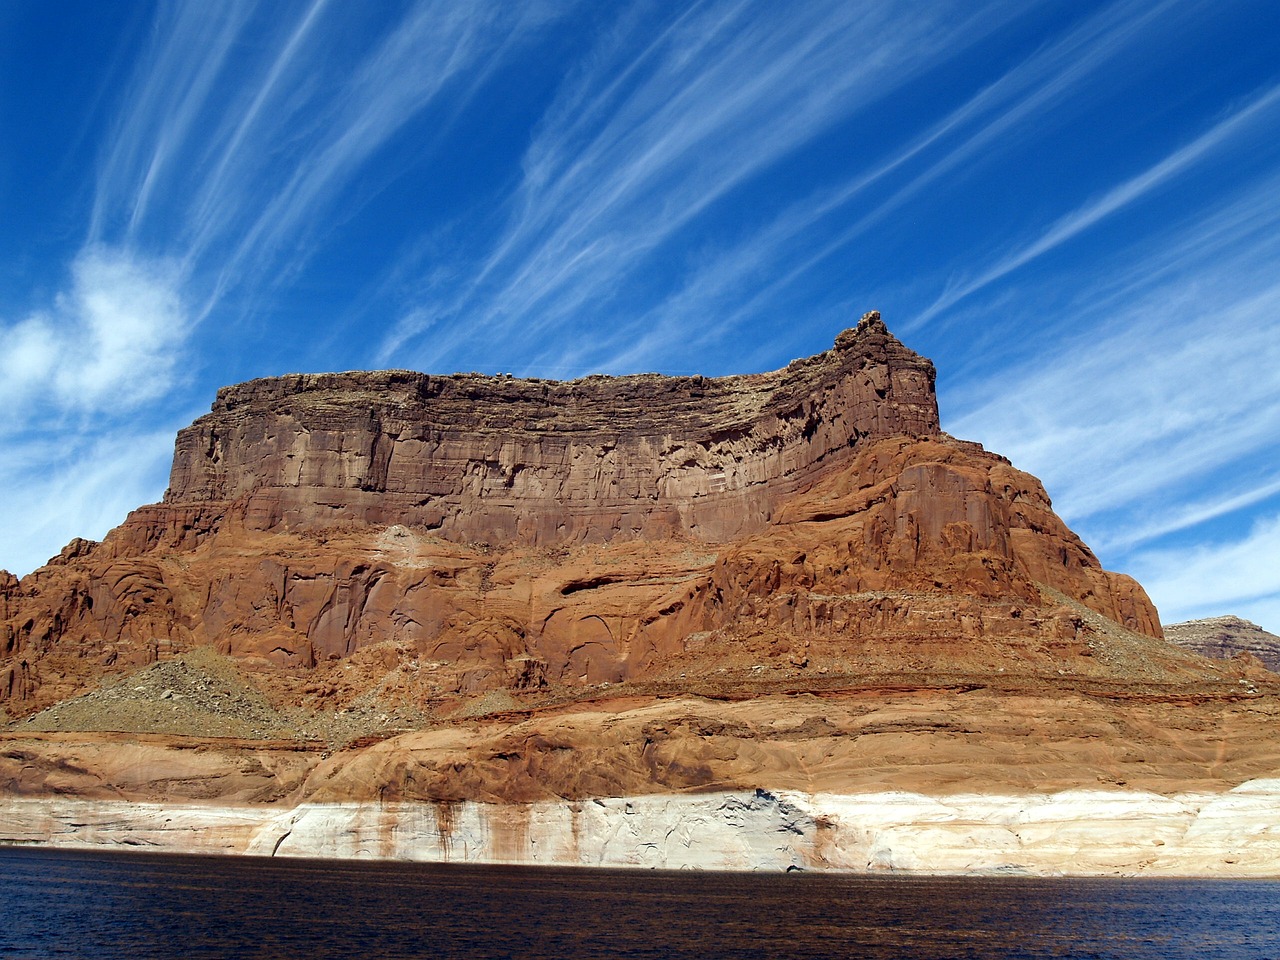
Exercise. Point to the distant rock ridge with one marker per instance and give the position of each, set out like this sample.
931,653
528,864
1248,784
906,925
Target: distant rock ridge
1225,637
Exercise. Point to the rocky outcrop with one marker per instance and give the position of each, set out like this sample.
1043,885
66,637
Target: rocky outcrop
527,535
1223,638
497,459
1122,782
767,621
913,542
15,671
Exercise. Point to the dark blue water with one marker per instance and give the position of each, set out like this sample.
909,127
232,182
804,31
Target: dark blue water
92,905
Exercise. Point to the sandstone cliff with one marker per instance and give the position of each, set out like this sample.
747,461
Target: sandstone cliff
474,617
484,459
519,534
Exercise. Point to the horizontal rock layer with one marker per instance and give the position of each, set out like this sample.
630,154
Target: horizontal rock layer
1070,833
485,459
914,552
522,534
1226,637
755,622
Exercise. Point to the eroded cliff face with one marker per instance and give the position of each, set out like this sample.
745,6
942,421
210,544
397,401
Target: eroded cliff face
923,779
483,459
1078,833
491,534
763,621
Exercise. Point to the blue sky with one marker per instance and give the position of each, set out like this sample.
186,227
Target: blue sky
1073,208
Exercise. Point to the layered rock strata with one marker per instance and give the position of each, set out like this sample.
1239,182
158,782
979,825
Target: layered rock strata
763,621
524,534
496,460
1081,833
1226,637
1107,782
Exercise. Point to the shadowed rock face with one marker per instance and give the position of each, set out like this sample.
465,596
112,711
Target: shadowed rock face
496,460
519,535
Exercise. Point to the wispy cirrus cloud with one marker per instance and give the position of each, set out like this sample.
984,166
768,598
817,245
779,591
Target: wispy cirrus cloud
73,377
106,344
576,229
643,141
166,101
209,210
1178,331
272,140
1240,575
1160,413
77,484
1249,117
978,131
1151,525
438,48
1121,417
235,145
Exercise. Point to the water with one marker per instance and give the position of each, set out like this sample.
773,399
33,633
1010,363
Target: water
102,906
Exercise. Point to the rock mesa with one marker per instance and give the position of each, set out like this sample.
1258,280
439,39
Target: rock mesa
489,618
525,533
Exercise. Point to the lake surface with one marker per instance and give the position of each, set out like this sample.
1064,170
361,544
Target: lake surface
106,905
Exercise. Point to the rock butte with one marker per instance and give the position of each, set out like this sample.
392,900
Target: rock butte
383,606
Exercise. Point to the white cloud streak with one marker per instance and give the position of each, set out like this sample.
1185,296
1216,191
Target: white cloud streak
555,279
1183,516
1115,199
72,379
435,46
642,142
990,123
271,139
210,210
1215,579
1123,416
167,98
110,342
234,140
1159,417
80,486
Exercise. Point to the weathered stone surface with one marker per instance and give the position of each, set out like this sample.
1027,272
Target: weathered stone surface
510,534
15,671
922,738
931,780
496,459
376,609
1089,833
1226,637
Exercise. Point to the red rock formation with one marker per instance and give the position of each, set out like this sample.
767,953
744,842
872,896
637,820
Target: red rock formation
520,533
493,459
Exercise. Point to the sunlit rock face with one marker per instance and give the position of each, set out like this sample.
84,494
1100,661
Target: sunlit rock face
501,460
1224,638
759,622
524,533
506,534
1070,833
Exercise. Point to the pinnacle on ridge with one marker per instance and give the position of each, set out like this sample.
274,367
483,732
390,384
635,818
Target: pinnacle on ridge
870,319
